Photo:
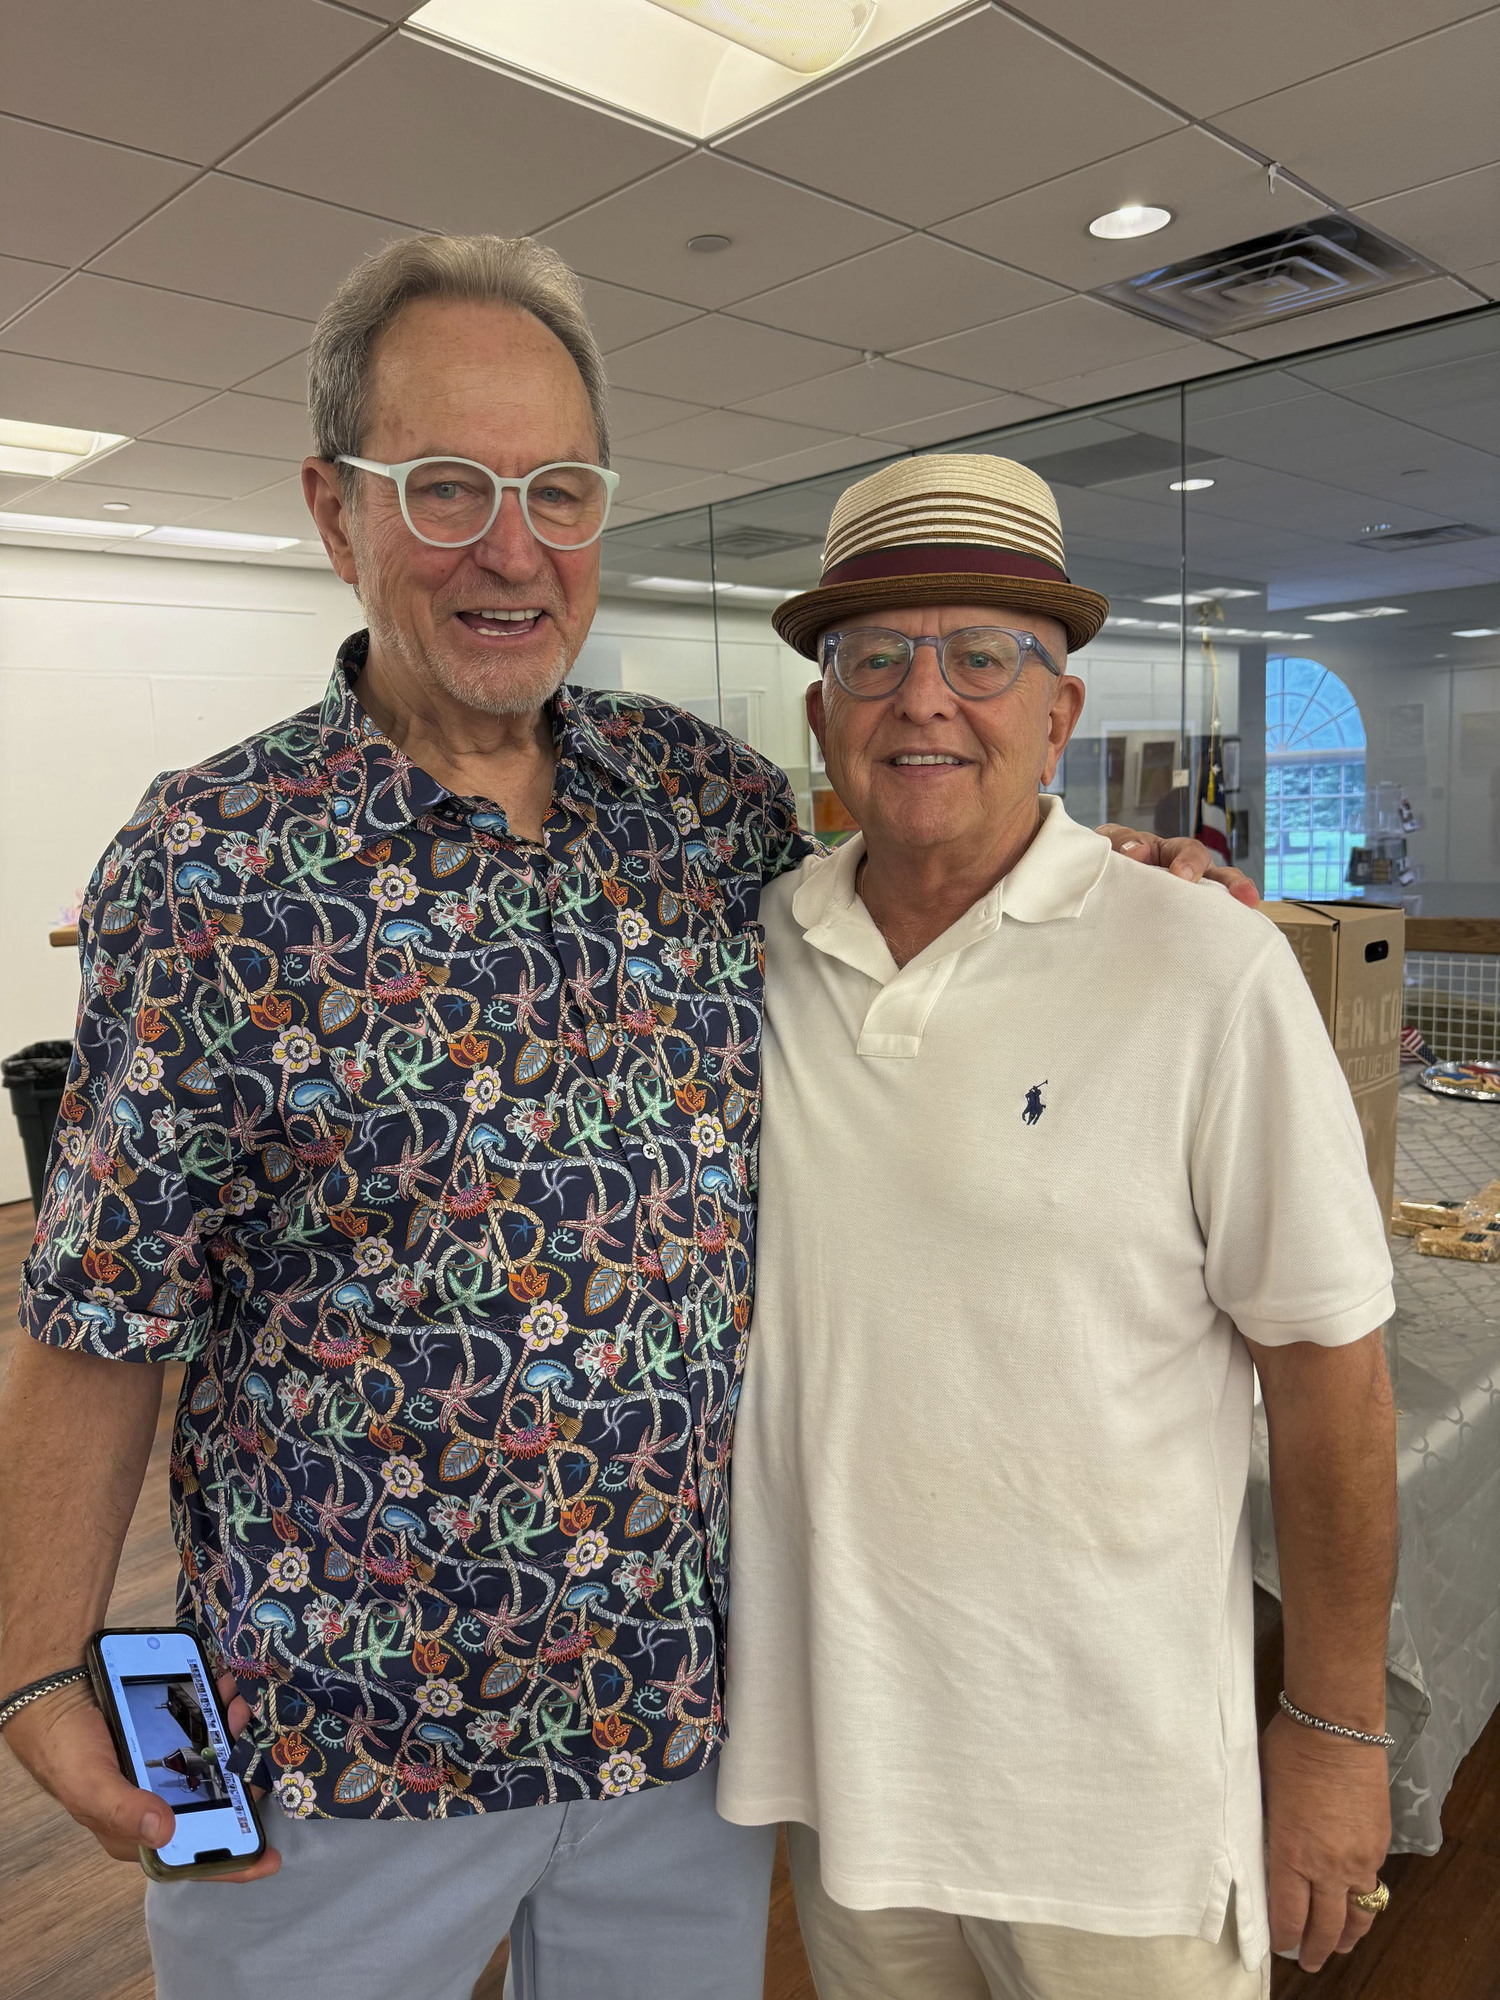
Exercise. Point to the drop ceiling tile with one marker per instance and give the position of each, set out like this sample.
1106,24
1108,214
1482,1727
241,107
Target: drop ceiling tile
776,231
719,440
1250,51
184,77
717,360
641,479
910,290
1134,378
838,456
443,143
21,282
287,381
56,392
1455,222
276,510
865,397
1486,280
78,501
105,323
218,475
970,420
248,245
15,491
260,425
973,111
620,316
700,491
631,414
1394,121
1042,346
1216,197
1358,317
63,197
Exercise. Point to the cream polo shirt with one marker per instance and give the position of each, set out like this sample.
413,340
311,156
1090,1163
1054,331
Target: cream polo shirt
990,1626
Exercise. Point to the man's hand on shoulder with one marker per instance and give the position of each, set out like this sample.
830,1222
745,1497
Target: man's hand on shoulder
1328,1825
1183,856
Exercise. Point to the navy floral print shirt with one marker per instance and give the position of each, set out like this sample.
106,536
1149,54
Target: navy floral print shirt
432,1153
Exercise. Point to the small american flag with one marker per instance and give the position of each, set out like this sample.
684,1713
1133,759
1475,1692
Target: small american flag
1413,1048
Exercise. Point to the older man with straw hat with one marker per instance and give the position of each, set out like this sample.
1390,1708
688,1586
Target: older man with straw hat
1052,1151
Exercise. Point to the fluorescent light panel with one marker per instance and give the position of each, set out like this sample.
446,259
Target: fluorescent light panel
45,451
217,538
688,586
659,60
1219,593
1479,632
1348,617
68,524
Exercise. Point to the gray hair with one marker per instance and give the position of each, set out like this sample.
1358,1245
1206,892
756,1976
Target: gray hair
504,270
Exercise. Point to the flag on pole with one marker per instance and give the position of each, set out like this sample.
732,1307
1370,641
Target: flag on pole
1211,817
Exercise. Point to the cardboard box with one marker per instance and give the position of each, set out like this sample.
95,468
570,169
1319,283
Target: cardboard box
1351,955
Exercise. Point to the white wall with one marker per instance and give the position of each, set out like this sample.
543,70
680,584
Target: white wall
113,668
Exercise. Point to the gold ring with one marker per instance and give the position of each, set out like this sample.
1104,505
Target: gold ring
1374,1900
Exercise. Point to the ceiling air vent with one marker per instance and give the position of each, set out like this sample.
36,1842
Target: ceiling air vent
1424,538
1270,278
747,542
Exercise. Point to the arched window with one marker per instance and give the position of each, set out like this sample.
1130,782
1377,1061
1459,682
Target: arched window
1315,779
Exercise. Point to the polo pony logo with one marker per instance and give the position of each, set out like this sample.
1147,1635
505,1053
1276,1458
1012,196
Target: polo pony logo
1034,1105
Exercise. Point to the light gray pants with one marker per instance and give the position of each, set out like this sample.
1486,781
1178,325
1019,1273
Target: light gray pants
650,1897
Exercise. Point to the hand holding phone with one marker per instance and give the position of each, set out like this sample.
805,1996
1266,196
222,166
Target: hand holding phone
160,1722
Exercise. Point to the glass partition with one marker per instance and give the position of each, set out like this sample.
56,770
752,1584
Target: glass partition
1303,563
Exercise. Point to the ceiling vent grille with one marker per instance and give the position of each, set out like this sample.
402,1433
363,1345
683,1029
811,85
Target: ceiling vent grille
745,543
1424,538
1270,278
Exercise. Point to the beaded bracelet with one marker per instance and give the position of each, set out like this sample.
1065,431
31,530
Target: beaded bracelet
23,1697
1334,1728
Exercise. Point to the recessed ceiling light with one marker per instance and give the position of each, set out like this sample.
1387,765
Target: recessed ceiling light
706,246
1132,220
1347,617
696,67
115,506
1220,593
216,538
68,524
1190,485
1479,632
46,450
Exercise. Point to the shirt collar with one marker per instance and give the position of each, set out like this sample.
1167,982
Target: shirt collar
394,791
1050,883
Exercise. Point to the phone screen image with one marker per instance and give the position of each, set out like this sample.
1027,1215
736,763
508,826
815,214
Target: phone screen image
177,1745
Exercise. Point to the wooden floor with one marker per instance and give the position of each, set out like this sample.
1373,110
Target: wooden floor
70,1919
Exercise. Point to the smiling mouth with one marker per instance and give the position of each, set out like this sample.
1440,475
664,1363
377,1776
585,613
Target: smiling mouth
494,623
909,761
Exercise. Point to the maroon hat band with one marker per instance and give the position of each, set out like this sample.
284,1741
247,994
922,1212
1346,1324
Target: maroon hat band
940,559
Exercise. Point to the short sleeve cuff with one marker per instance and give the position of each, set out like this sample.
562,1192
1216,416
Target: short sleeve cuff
94,1326
1338,1329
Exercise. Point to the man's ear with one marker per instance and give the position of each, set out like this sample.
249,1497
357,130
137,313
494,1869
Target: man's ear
325,502
817,720
1062,720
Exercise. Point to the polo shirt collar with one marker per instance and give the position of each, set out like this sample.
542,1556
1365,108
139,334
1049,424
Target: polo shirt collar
395,791
1050,883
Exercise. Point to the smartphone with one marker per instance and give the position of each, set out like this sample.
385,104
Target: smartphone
172,1738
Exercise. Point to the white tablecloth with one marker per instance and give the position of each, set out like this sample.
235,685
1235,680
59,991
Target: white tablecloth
1443,1662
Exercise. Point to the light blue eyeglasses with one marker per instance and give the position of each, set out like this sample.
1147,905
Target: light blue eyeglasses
451,502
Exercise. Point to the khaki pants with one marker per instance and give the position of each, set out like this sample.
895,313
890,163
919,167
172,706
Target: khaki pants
928,1955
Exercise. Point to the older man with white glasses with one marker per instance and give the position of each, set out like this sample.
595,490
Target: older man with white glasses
414,1109
1052,1148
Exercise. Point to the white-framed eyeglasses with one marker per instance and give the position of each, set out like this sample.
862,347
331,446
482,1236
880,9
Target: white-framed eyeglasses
451,502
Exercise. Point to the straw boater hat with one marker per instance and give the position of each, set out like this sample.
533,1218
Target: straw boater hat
943,529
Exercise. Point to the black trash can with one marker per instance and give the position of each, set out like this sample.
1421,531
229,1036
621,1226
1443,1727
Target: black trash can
35,1077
